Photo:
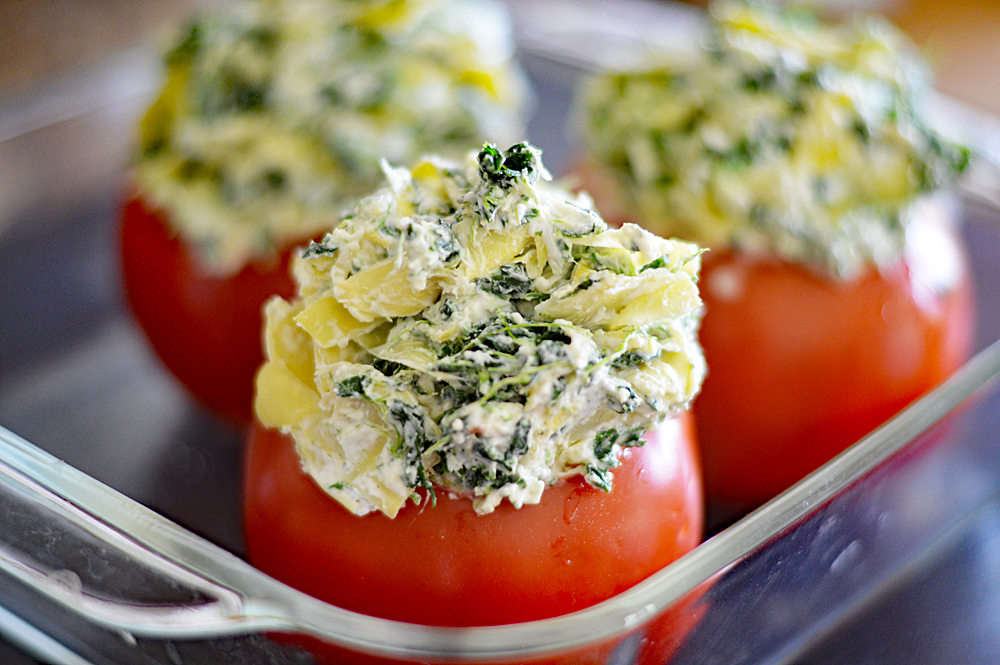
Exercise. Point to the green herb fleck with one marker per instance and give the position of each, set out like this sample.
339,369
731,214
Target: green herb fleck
352,387
319,249
520,161
510,280
387,367
654,264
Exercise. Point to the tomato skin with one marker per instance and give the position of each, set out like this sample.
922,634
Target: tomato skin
444,565
801,367
205,328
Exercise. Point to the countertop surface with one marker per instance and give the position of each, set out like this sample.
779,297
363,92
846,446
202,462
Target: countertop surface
44,39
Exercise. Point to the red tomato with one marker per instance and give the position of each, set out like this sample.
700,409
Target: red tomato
205,328
443,564
800,367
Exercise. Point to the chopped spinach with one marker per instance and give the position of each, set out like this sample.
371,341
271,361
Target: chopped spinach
862,131
630,359
319,249
413,441
599,478
454,397
387,367
760,81
447,308
236,93
605,441
742,154
617,260
264,38
352,387
274,180
520,161
660,262
487,364
509,280
624,399
519,440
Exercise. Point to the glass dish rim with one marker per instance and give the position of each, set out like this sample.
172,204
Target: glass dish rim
246,600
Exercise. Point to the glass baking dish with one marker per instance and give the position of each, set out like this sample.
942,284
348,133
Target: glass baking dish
119,528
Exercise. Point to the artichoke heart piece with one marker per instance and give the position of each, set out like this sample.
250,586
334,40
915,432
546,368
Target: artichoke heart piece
407,350
491,250
282,399
385,291
351,458
285,389
384,498
286,342
672,297
331,324
156,124
615,259
619,301
480,78
671,377
428,175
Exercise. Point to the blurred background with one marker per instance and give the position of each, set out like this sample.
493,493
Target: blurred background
42,39
45,43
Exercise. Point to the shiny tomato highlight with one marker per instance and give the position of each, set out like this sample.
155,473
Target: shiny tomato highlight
801,367
442,564
205,328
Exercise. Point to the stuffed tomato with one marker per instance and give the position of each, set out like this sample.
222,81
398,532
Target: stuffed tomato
835,286
454,409
272,120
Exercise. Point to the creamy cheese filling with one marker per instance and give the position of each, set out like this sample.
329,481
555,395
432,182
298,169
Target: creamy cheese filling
473,328
782,135
274,116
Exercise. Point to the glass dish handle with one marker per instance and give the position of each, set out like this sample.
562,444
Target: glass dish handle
63,552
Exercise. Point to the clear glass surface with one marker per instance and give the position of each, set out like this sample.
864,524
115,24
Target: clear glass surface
109,552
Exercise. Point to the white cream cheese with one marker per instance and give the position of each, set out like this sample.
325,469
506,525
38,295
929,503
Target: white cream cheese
474,329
